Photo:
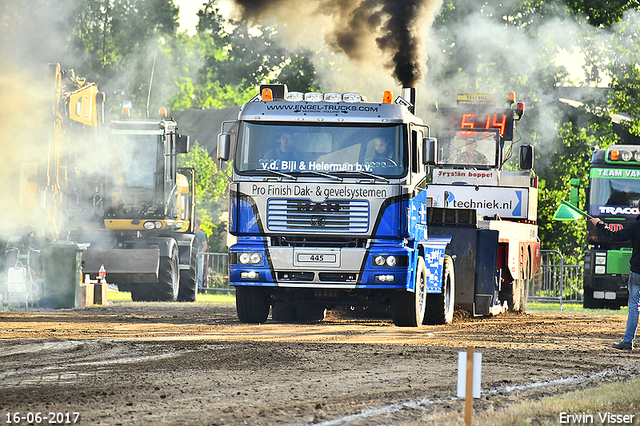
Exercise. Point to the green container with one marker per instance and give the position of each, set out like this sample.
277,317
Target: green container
62,266
618,261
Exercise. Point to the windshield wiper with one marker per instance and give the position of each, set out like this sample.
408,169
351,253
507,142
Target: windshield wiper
371,175
275,172
338,178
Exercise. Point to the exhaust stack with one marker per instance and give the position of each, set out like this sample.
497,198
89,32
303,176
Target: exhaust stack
409,94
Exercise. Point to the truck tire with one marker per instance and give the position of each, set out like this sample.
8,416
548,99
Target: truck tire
407,308
514,295
440,306
283,312
308,312
252,304
189,279
166,289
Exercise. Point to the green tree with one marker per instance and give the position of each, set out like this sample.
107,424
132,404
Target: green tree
211,199
120,45
235,61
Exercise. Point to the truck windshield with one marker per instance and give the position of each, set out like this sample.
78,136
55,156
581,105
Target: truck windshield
134,160
332,149
466,148
614,192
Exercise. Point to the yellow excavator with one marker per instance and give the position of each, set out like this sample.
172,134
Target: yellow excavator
115,190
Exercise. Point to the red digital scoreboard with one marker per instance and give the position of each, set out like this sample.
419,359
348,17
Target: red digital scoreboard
466,117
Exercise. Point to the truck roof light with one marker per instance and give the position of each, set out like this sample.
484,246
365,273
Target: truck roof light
125,113
636,156
520,109
267,94
615,154
313,97
295,96
511,97
387,97
626,155
162,112
352,97
332,97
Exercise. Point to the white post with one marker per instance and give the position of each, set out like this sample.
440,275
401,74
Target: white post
469,379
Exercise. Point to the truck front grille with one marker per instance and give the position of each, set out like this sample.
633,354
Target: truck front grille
329,216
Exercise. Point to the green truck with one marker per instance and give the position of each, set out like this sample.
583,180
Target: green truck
612,195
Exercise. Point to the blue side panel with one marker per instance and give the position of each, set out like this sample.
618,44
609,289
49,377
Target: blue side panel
434,261
369,271
247,220
233,209
418,217
264,275
391,222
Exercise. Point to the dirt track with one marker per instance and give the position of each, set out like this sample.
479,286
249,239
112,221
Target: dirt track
156,363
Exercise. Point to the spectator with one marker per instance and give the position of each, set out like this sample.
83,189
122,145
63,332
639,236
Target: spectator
629,232
201,246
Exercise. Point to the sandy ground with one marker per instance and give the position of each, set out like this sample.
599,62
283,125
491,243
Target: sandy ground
195,364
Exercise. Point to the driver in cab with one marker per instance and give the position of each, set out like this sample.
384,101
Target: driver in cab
383,151
285,150
470,155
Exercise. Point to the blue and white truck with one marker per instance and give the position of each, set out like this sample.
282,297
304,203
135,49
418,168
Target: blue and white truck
329,205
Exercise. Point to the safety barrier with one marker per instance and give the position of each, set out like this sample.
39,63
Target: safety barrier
554,278
556,281
214,270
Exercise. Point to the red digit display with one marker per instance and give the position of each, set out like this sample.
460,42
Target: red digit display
470,118
468,121
499,124
493,121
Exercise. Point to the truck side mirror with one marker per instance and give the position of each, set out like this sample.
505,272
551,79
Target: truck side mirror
526,157
224,146
430,151
183,144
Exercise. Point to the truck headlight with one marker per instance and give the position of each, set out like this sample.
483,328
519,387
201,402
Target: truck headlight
390,260
601,260
600,269
247,258
150,224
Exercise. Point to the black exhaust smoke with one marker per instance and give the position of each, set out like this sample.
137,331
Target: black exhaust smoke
394,25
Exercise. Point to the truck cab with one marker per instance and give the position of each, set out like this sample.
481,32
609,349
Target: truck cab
327,211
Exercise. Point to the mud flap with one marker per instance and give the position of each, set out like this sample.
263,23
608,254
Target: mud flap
133,266
486,291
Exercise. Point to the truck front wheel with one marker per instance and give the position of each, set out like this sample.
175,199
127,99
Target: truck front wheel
252,304
407,309
188,280
166,289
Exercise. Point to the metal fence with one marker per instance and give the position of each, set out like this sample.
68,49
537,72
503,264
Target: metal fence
214,270
553,280
556,281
